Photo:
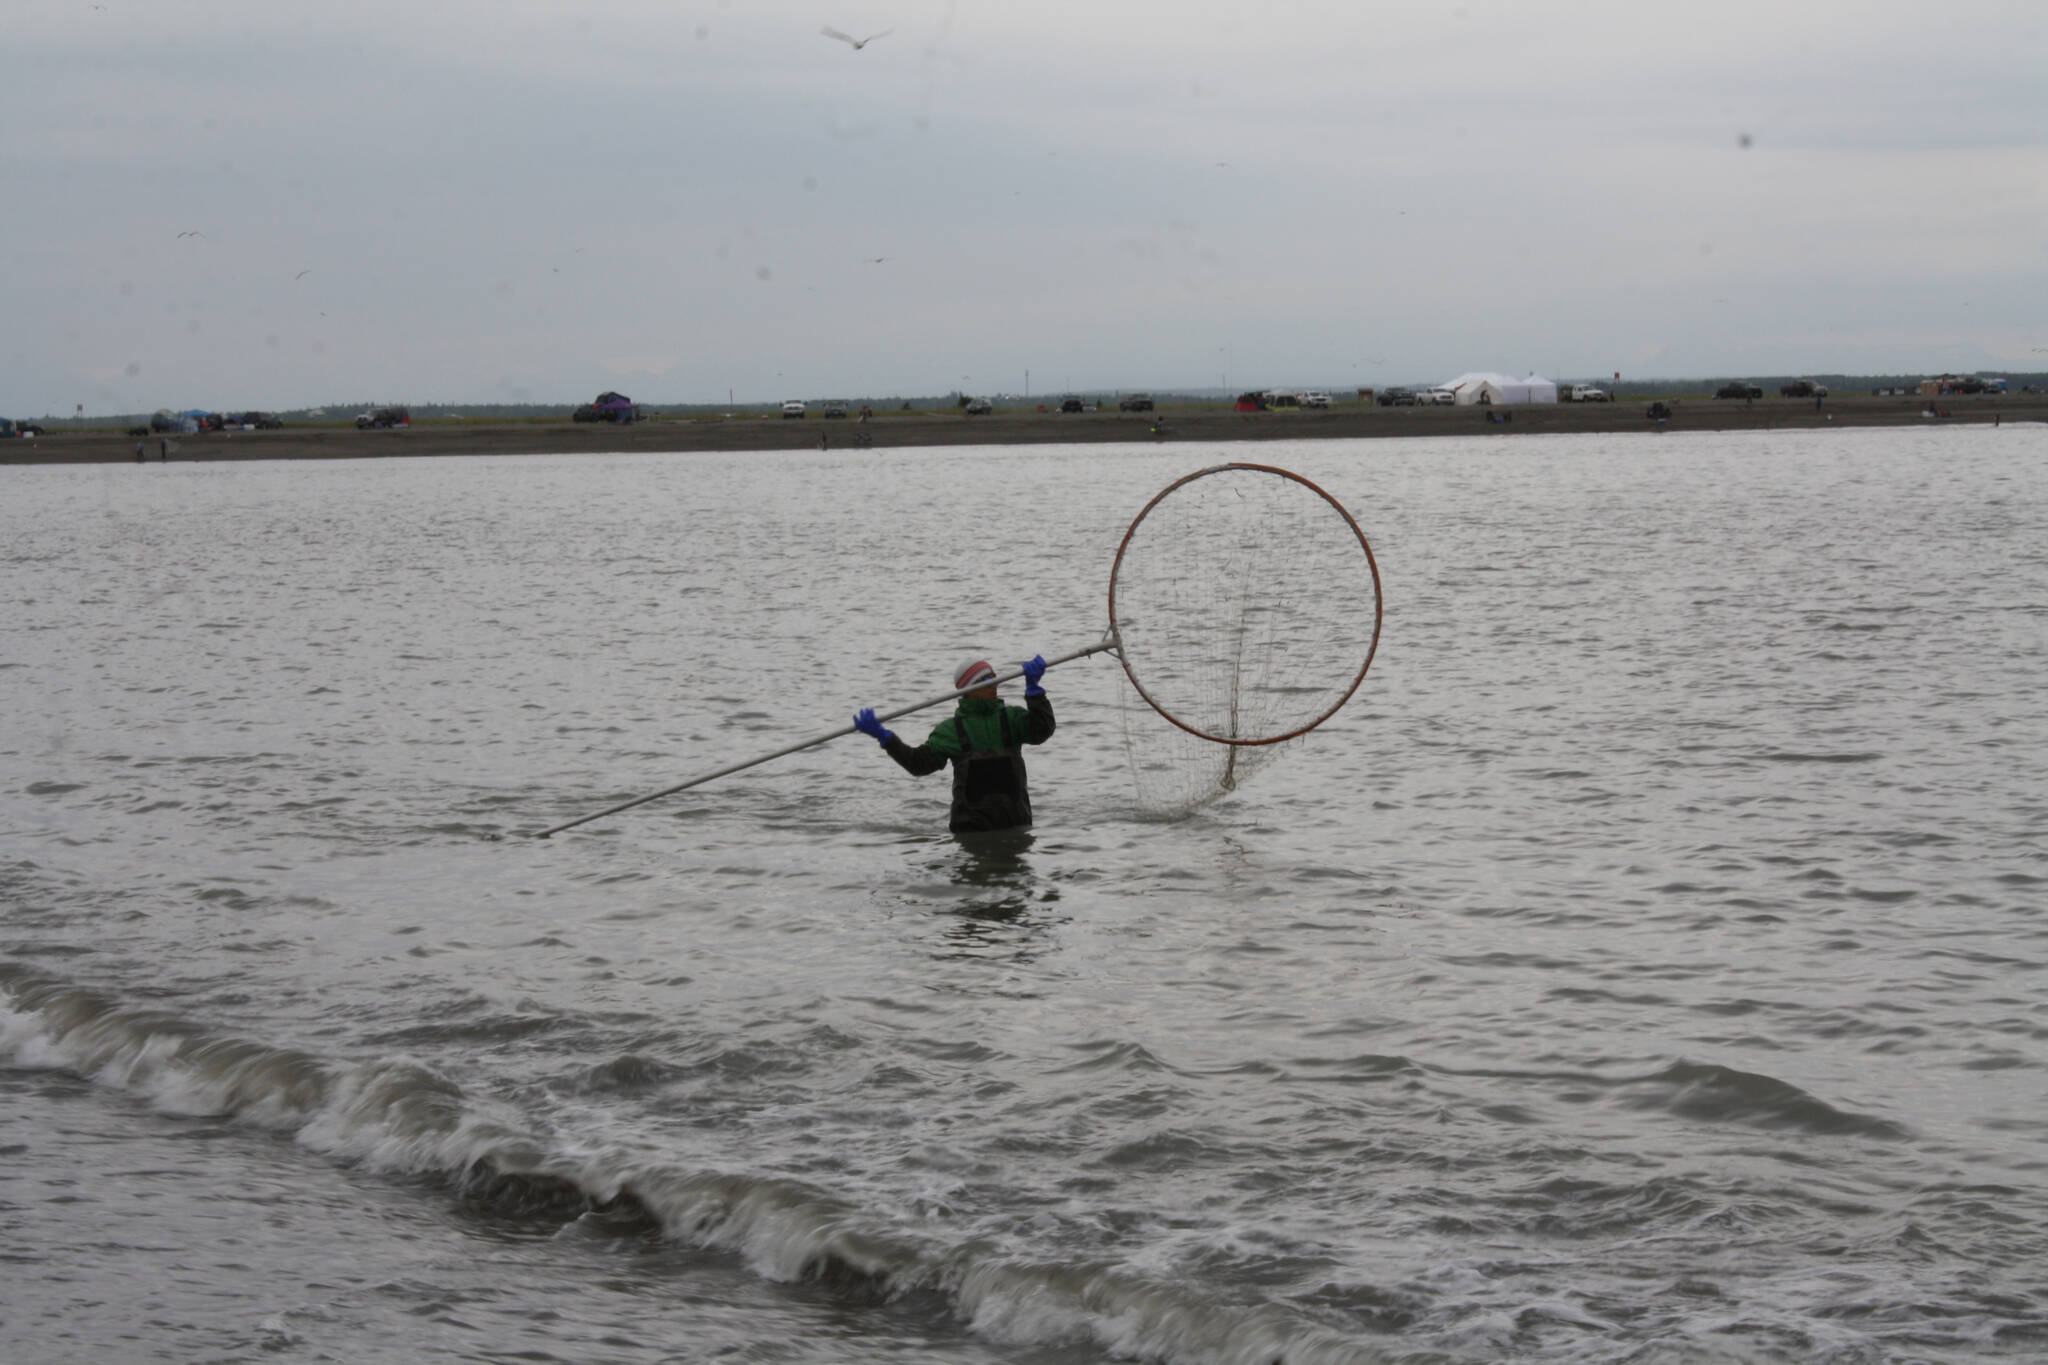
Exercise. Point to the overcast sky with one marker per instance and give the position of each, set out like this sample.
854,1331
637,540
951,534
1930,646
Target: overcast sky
239,204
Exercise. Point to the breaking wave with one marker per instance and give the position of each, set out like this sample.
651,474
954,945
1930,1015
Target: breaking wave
403,1118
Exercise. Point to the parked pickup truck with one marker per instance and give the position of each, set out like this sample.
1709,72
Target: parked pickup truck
1586,393
1803,388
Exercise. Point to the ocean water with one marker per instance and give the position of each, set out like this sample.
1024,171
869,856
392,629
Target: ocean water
1646,965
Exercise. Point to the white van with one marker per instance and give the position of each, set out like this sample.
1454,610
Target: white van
793,408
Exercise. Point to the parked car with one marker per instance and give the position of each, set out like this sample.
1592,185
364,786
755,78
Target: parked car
1441,398
383,419
1586,393
138,431
794,408
1072,404
1737,389
262,421
608,407
1395,396
979,407
1315,398
836,408
1803,388
1134,402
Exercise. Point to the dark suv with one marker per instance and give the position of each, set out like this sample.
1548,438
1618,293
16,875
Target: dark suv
608,407
1071,404
1397,397
383,419
1738,390
1134,402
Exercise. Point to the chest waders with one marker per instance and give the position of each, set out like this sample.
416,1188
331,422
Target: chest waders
989,790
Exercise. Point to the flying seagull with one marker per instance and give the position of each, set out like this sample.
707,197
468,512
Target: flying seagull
858,43
191,234
303,273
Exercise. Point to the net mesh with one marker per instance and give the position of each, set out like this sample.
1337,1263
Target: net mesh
1247,607
1173,773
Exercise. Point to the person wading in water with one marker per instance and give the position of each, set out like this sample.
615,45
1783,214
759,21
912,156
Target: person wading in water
984,742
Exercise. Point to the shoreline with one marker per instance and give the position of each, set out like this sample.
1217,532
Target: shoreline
682,435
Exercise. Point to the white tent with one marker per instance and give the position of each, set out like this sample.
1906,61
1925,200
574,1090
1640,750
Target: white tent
1486,387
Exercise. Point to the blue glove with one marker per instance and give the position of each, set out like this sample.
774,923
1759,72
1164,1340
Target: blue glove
1034,669
865,722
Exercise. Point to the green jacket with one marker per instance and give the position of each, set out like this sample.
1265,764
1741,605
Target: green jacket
983,739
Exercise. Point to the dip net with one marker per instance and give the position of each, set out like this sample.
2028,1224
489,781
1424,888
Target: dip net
1245,606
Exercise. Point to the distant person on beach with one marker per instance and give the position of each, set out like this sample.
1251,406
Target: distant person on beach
984,740
163,449
139,455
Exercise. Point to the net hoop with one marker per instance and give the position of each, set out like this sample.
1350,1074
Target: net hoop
1372,566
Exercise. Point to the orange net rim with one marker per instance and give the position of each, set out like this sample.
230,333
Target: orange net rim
1372,565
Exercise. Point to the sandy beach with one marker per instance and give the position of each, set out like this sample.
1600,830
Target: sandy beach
1015,427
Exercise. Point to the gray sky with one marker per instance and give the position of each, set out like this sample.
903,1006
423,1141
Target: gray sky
503,201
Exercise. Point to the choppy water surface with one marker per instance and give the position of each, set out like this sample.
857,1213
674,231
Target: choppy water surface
1645,965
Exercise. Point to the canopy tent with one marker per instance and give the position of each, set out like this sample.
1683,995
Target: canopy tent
1483,386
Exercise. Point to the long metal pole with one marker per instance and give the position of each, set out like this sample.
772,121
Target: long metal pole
1107,642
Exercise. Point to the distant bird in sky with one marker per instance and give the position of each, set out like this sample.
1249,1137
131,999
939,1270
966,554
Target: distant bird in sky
191,234
876,260
858,43
303,273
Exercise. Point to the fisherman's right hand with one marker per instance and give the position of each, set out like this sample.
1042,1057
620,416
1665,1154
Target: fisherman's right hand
865,722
